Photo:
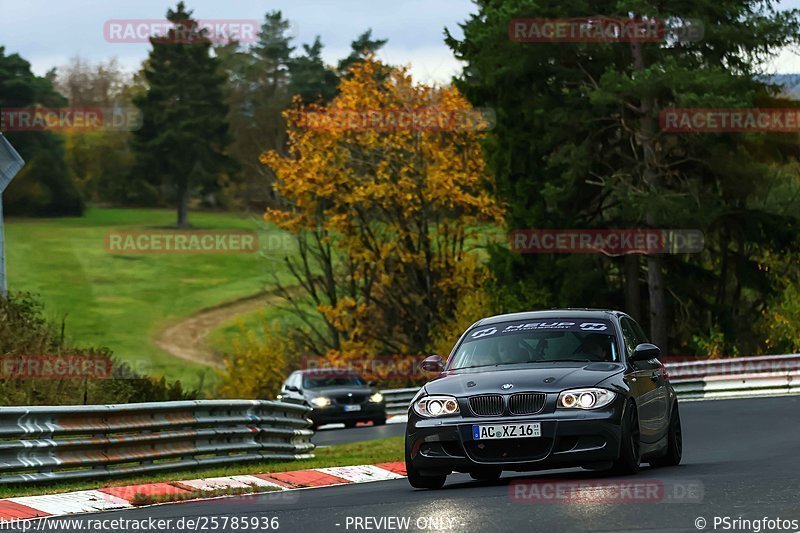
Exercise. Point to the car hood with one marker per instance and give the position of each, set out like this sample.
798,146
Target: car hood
535,377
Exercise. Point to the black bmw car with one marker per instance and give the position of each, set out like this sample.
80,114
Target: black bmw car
541,390
335,396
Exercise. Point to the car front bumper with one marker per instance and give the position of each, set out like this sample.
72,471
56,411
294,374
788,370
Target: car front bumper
568,438
335,414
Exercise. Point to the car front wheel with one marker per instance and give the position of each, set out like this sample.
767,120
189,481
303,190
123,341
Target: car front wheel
419,481
629,450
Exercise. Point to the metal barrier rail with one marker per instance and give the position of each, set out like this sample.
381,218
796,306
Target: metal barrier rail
93,441
738,386
736,365
715,378
397,400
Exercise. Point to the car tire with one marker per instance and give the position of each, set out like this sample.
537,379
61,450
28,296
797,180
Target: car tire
674,453
629,450
486,474
419,481
379,421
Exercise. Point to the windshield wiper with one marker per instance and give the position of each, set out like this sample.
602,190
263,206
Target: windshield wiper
499,364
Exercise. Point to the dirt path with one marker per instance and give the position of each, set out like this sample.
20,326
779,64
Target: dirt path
188,339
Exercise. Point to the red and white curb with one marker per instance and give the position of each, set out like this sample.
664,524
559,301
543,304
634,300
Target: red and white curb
113,498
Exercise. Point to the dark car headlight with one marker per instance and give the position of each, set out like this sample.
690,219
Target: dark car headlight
376,398
435,406
588,398
321,401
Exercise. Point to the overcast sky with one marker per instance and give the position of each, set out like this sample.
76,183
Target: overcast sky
48,32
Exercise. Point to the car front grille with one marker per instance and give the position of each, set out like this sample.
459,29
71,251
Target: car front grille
344,399
526,403
487,405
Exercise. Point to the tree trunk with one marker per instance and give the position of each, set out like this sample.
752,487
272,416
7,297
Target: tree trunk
633,296
652,180
658,304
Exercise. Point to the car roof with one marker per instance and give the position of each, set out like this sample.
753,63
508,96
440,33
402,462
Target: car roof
587,313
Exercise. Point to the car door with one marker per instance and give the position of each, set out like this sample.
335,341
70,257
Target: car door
659,376
644,385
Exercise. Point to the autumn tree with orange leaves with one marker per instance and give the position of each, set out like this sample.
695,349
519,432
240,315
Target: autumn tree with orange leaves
386,189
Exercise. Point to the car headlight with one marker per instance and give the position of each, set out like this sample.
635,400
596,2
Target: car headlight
591,398
376,398
321,401
432,406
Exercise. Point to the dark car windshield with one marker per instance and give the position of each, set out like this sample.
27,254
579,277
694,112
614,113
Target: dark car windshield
318,382
537,341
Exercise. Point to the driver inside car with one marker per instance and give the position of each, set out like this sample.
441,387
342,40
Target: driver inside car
510,351
596,345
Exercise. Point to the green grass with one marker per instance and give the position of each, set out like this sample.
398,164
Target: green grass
122,301
359,453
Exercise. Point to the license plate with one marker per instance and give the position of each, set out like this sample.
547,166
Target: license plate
506,431
349,408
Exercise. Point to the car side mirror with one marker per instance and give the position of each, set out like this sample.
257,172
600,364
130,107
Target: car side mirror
292,388
645,352
433,363
371,383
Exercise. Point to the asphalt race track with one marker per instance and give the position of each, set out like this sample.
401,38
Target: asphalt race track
329,437
743,454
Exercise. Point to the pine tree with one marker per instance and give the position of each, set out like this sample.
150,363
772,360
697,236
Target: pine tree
311,80
182,143
578,145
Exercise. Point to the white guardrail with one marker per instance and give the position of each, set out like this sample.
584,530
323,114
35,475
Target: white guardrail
714,378
56,443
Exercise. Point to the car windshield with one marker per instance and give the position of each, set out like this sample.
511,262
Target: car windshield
553,340
319,382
